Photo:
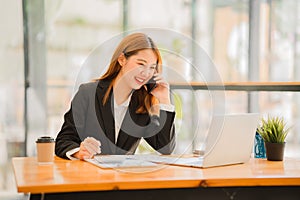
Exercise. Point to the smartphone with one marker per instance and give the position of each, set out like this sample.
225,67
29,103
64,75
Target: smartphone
151,85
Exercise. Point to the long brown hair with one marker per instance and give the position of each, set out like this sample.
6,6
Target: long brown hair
129,46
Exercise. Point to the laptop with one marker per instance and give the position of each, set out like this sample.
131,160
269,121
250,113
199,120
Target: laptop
229,141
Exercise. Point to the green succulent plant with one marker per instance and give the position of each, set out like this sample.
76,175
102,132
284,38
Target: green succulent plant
273,129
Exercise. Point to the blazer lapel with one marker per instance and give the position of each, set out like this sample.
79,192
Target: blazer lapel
130,130
123,137
105,112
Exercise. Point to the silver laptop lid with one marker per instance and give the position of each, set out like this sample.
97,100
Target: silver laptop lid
230,139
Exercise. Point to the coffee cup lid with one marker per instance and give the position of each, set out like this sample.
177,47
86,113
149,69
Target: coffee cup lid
44,139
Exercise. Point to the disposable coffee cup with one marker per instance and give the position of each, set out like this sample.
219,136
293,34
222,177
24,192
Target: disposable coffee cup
45,149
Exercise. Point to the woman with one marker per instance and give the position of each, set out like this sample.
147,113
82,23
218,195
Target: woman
112,114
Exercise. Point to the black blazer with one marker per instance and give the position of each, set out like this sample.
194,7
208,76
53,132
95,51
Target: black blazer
87,116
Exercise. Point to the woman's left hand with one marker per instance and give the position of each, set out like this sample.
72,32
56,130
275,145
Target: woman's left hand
162,89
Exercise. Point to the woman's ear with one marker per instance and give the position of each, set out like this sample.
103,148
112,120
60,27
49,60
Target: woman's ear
122,59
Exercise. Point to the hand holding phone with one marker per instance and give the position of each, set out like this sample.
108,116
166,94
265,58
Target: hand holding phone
151,84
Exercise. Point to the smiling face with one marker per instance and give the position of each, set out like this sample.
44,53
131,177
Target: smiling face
137,69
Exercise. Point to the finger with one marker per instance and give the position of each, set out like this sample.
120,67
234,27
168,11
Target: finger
87,156
160,80
83,153
84,147
98,150
163,84
90,150
157,77
92,146
93,141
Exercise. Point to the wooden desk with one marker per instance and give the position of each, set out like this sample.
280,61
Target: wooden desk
71,179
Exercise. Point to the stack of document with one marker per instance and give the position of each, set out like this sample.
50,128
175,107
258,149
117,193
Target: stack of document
119,161
142,160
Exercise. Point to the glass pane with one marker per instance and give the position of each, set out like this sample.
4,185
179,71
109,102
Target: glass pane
167,14
11,92
286,105
73,30
284,47
222,31
173,19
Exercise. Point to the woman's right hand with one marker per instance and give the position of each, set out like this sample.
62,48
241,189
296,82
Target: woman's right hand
88,148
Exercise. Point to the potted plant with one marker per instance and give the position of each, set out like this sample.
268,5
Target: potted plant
274,131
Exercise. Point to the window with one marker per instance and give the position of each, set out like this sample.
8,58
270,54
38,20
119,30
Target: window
208,41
